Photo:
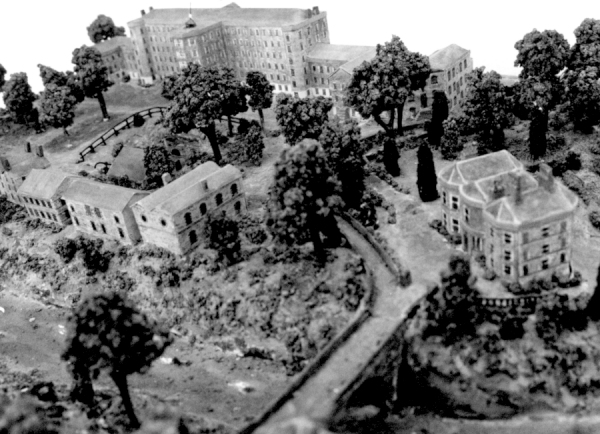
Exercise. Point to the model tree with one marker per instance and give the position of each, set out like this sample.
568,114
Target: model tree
384,83
18,97
344,151
439,113
253,143
2,76
93,75
103,28
201,96
69,79
304,198
582,89
426,175
301,118
451,144
58,107
260,93
391,156
235,97
488,109
542,55
108,333
168,84
157,162
223,235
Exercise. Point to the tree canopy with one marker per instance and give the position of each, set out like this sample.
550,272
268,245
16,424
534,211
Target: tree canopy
344,151
157,162
18,97
2,76
384,83
488,108
260,93
426,175
69,79
301,118
58,107
542,55
201,96
222,234
304,197
439,113
451,144
108,333
93,74
103,28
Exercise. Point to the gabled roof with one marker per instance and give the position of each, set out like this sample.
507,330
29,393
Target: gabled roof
480,167
130,163
445,57
100,195
26,165
46,183
189,189
112,43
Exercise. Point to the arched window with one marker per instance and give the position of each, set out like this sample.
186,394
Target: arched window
193,237
202,208
219,199
434,79
188,218
234,189
238,207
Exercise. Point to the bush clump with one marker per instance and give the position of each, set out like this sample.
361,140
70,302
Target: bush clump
138,120
93,257
594,217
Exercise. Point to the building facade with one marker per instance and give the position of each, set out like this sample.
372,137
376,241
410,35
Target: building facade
41,195
118,56
13,172
521,222
103,210
172,217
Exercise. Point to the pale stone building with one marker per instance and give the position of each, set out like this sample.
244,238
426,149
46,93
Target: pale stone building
172,216
103,210
118,57
41,194
13,172
521,222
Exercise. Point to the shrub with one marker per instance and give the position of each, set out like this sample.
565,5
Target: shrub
480,259
512,328
126,78
255,234
594,217
66,248
94,259
564,161
138,120
538,286
117,149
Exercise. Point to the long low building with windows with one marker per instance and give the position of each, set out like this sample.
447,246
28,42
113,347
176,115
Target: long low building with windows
172,216
521,222
104,210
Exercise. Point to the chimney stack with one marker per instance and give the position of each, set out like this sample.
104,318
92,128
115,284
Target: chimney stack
315,10
166,178
518,188
4,164
309,13
150,9
40,151
143,12
546,178
498,189
27,147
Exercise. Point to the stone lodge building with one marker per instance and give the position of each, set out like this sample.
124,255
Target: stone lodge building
103,210
14,172
118,56
521,222
41,194
172,216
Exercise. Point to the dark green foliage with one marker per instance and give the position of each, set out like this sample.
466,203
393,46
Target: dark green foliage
556,313
253,144
593,307
223,235
2,76
157,162
594,218
92,73
582,91
18,97
68,79
563,161
344,151
542,55
488,109
93,257
451,143
66,248
391,156
586,50
260,93
108,333
103,28
511,328
8,210
439,113
25,415
201,96
304,198
426,175
138,120
58,107
301,118
384,83
167,87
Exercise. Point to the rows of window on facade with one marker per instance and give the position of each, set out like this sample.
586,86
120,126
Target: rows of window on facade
171,217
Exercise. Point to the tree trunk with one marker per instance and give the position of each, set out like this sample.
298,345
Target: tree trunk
400,109
121,383
537,133
230,126
65,131
262,118
389,131
211,135
102,103
83,390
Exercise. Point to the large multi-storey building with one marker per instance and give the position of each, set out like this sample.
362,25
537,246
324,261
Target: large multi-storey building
119,57
14,172
522,223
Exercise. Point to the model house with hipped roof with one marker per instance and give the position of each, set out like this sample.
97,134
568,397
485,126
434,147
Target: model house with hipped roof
521,222
14,171
103,210
172,216
41,195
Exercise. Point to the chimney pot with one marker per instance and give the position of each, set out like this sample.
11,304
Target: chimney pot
27,147
546,178
40,151
166,178
309,13
5,164
315,10
143,12
150,8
